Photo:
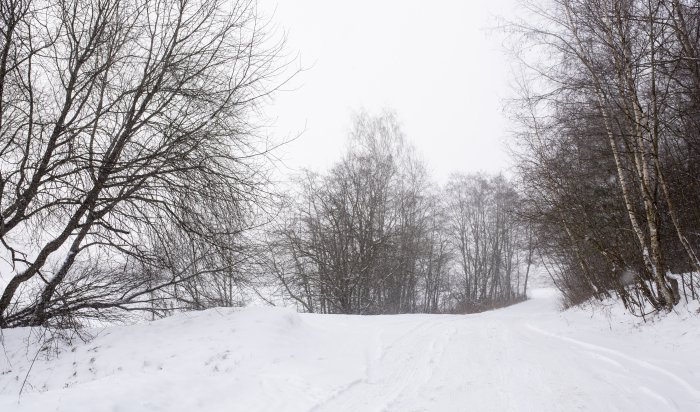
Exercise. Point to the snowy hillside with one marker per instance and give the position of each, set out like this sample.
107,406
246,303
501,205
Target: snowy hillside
528,357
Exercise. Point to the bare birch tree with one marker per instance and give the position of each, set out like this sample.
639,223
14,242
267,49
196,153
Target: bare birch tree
616,72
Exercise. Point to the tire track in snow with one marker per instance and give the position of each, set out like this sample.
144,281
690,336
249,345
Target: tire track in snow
398,368
689,388
437,351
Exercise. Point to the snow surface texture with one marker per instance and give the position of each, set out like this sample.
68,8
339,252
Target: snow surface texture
529,357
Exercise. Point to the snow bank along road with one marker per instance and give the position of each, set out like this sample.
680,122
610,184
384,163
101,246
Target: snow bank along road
528,357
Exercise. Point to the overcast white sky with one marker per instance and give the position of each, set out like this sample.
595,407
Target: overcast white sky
435,63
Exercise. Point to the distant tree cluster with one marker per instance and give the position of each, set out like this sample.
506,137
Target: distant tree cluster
374,235
128,164
610,147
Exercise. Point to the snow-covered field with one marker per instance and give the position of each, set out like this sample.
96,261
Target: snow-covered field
529,357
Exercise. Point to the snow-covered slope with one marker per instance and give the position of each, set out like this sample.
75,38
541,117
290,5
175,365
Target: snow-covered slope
528,357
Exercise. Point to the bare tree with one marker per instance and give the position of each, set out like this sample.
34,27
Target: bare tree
121,121
484,234
366,237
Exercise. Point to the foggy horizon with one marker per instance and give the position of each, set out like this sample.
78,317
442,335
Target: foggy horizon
443,70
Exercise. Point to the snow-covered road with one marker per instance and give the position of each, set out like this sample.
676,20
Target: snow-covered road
516,359
528,357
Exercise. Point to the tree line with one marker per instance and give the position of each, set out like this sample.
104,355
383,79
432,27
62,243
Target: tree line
375,235
133,178
608,146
